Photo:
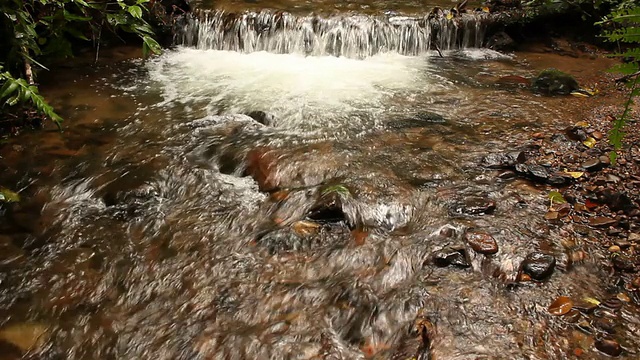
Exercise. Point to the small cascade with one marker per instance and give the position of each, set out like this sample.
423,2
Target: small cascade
352,36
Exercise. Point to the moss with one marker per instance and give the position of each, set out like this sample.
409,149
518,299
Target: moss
554,82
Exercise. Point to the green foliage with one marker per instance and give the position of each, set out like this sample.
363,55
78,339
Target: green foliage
18,91
339,189
33,32
624,27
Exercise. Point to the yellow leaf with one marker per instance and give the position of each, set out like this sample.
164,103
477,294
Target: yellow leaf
449,16
574,174
485,9
578,94
590,142
582,124
592,300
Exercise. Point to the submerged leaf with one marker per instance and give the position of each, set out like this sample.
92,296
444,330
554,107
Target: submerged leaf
561,306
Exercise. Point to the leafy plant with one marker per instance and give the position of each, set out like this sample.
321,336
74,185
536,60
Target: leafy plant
33,32
626,31
18,91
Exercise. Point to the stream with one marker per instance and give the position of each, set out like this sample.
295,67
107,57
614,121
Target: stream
334,223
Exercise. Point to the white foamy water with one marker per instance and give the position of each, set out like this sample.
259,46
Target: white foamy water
302,92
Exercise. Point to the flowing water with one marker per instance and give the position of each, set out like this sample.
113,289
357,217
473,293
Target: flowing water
163,225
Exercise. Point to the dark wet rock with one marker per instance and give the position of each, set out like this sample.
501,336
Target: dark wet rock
507,175
328,209
501,41
585,307
451,256
554,82
482,243
624,263
503,160
604,324
600,221
609,346
263,118
592,165
616,201
612,303
576,133
541,174
538,265
475,205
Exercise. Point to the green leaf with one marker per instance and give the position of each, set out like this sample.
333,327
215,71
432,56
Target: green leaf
135,11
556,198
339,189
73,17
8,88
152,44
8,196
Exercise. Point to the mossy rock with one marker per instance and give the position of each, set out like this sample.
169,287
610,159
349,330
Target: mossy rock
554,82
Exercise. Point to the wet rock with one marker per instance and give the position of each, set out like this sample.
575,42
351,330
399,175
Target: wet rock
451,256
513,80
327,209
623,263
601,221
538,265
263,118
501,41
476,205
554,82
592,165
576,133
503,160
560,306
482,243
585,307
634,237
609,346
616,201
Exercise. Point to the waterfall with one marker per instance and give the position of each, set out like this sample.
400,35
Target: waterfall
352,36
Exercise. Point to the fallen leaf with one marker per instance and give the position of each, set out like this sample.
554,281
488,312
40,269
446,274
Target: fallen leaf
556,198
590,142
592,300
485,9
449,16
579,94
551,215
582,124
9,196
574,174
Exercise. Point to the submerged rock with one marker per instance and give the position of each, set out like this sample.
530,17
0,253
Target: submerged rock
451,256
554,82
263,118
501,41
25,336
609,346
539,266
503,160
482,243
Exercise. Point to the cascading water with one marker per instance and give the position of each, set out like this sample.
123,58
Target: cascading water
165,225
354,36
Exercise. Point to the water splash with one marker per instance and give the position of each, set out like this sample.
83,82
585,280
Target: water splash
353,36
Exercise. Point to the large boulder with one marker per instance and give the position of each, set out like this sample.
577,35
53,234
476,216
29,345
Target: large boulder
554,82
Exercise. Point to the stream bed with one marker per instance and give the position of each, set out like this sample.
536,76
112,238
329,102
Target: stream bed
337,222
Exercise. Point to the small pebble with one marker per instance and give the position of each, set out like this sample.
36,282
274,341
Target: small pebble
614,248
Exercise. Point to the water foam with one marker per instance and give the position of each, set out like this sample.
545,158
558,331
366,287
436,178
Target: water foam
302,92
